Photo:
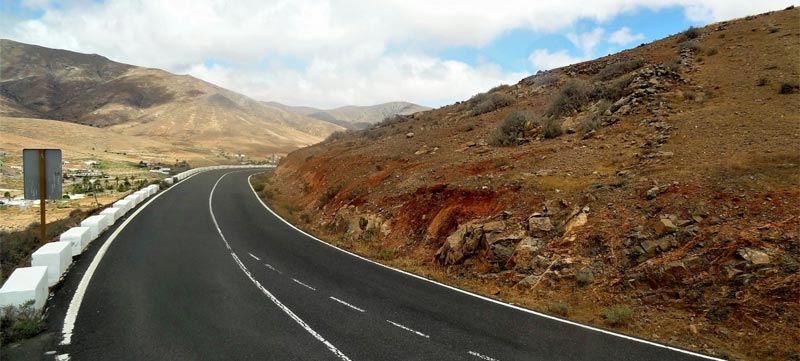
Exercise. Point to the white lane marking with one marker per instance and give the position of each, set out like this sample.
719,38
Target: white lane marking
483,357
303,284
254,257
266,292
573,323
272,268
408,329
62,357
80,292
347,304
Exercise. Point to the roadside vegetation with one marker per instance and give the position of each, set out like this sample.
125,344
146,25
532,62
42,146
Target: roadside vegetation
19,323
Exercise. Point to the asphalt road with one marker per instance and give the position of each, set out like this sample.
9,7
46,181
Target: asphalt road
206,272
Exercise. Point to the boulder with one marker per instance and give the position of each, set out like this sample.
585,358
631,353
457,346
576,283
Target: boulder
452,250
577,219
754,256
525,252
665,226
494,227
500,246
538,225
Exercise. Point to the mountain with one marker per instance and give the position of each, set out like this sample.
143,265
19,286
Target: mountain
654,191
37,82
355,117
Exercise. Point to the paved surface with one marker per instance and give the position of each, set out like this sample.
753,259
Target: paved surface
174,286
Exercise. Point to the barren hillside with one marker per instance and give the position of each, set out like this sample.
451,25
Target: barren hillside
654,191
37,82
355,117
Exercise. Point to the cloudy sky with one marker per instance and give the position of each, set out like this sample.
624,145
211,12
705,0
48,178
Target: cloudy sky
338,52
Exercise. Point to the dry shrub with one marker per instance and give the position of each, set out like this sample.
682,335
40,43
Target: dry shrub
487,102
573,95
511,129
614,70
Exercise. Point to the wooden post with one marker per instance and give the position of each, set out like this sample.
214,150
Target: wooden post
42,199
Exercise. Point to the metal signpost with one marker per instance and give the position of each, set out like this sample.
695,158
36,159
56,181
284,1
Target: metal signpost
42,179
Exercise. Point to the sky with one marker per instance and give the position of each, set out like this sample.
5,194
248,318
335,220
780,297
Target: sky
333,53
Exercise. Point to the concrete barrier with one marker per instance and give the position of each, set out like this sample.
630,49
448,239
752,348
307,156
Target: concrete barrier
115,213
78,237
97,223
56,256
25,284
143,193
134,199
154,188
125,204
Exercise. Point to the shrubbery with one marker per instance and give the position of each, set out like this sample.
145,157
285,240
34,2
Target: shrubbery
690,34
617,315
487,102
511,129
614,70
20,322
573,95
337,135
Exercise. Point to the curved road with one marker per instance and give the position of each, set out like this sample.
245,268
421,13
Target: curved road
206,272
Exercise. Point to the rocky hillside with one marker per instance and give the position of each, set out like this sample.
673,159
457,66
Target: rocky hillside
356,117
37,82
654,191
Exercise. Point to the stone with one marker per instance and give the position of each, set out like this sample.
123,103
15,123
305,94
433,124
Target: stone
665,226
649,247
754,256
525,253
410,135
664,244
653,192
494,227
539,224
452,250
578,219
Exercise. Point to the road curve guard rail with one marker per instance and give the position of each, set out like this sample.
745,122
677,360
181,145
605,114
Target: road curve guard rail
51,261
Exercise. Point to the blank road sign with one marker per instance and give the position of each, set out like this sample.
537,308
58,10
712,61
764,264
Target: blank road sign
52,173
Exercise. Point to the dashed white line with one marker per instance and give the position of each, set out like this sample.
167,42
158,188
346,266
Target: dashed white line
408,329
347,304
266,292
303,284
272,268
254,257
482,357
62,357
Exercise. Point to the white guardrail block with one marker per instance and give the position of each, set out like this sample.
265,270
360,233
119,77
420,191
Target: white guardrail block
25,284
125,204
144,194
97,223
56,256
115,213
78,237
134,199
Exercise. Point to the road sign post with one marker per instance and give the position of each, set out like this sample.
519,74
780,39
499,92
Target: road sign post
42,180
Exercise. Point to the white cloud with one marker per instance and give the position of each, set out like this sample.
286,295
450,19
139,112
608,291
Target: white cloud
334,82
587,41
624,36
543,59
332,52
